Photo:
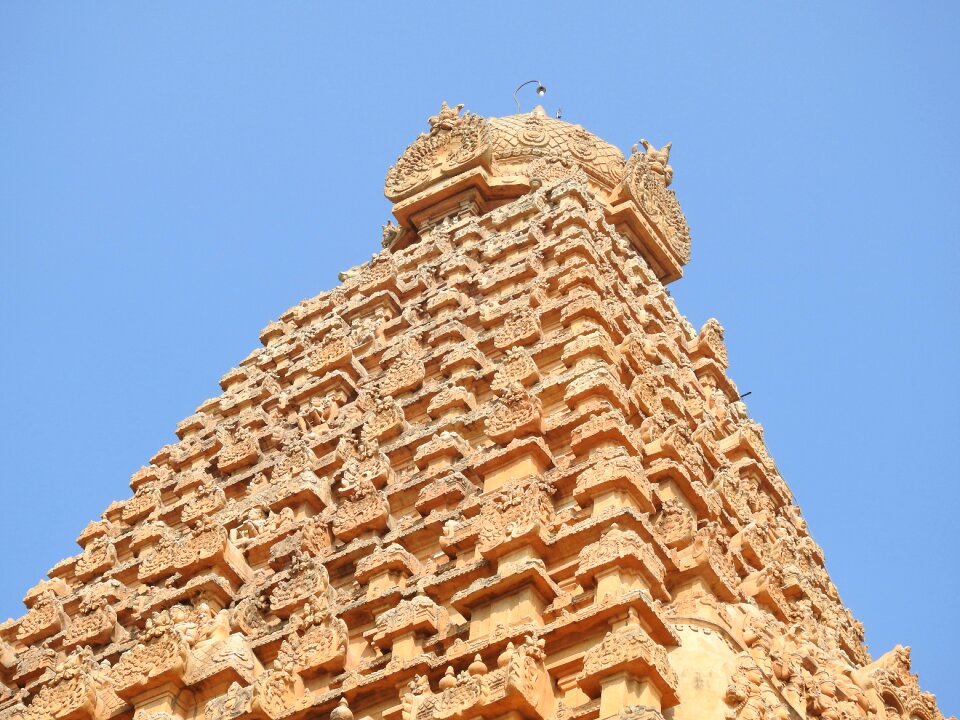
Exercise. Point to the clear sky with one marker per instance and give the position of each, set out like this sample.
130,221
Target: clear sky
175,175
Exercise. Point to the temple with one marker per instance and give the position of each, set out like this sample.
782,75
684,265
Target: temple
493,475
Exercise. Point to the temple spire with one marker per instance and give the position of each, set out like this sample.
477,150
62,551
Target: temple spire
495,474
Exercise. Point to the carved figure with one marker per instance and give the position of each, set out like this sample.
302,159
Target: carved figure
444,120
658,160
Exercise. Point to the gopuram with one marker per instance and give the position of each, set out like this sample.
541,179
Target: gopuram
494,475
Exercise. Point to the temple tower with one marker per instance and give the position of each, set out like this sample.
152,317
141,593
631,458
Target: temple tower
493,475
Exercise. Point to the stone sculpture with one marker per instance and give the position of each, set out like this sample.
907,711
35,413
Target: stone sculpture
494,474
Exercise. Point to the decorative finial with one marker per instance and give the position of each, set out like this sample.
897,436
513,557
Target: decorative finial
658,159
446,118
448,680
477,667
390,234
342,711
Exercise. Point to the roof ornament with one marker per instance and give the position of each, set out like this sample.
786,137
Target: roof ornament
658,159
446,118
541,91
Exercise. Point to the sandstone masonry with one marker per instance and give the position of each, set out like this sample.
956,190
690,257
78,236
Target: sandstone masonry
493,475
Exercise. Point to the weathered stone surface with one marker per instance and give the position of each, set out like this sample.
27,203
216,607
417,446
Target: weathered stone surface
493,474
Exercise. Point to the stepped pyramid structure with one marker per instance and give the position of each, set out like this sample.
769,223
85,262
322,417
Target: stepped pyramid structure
493,475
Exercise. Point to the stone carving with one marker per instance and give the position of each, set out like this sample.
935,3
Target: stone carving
520,510
514,414
421,614
73,690
647,182
658,160
341,711
451,401
334,351
44,619
675,523
385,417
749,695
446,119
710,340
96,622
98,556
206,500
618,474
519,140
519,679
391,557
235,703
318,641
444,445
248,616
317,415
709,547
260,521
516,367
622,549
238,448
295,456
405,373
522,327
363,463
445,490
160,653
495,471
378,274
640,712
315,538
363,508
550,170
201,545
390,234
453,141
281,688
676,443
630,649
145,501
306,578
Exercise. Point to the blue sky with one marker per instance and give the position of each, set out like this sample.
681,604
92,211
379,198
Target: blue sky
174,176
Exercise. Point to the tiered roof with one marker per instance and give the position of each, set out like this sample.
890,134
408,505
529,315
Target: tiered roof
493,474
